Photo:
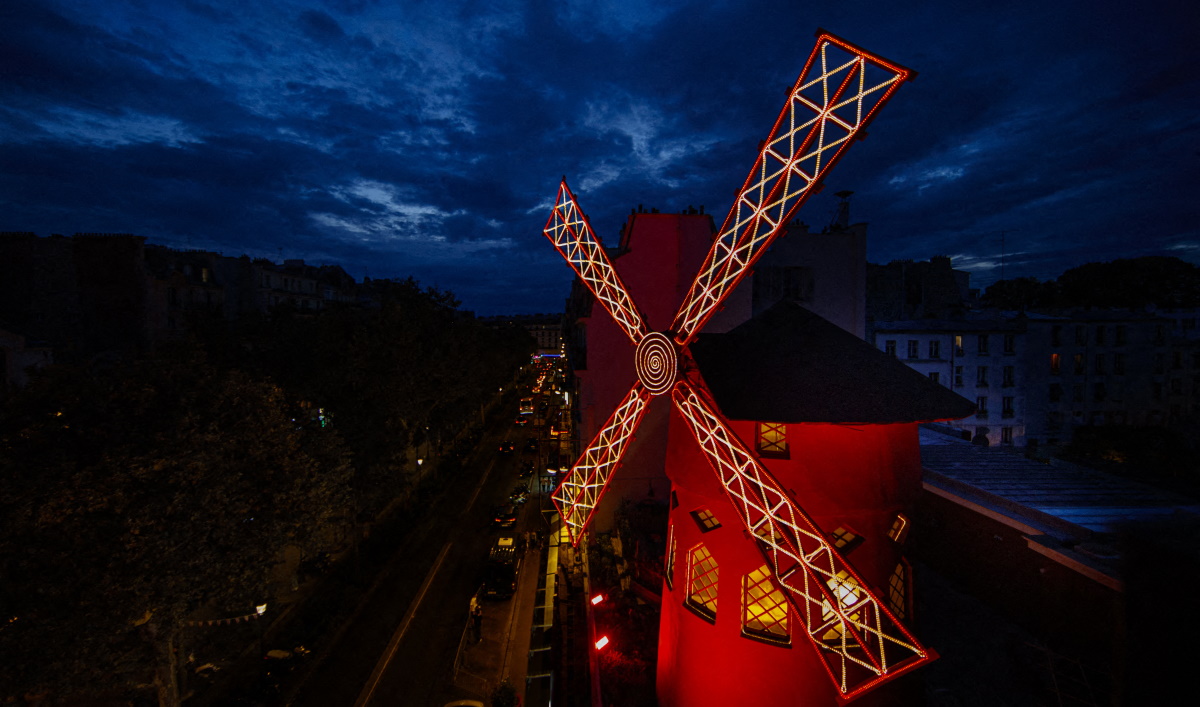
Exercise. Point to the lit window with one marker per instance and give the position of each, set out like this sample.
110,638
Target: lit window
702,583
899,530
764,608
670,569
706,520
958,345
772,439
1055,364
847,592
845,539
898,591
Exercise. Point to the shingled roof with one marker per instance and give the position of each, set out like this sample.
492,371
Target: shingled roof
790,365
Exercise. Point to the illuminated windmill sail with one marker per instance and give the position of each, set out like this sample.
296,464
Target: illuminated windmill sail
839,91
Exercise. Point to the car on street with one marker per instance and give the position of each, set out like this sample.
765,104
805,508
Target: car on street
500,574
519,494
531,445
506,447
526,471
521,421
504,515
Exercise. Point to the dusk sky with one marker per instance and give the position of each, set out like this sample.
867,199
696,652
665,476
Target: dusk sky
427,138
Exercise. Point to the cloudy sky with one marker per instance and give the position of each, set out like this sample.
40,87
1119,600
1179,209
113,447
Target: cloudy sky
403,137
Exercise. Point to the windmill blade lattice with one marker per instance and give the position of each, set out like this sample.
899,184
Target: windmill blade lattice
576,497
568,229
841,88
814,130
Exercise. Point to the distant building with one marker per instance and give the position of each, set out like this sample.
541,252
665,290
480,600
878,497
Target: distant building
905,290
546,329
17,358
99,293
1037,377
978,358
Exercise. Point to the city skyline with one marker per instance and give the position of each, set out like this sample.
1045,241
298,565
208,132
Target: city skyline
428,140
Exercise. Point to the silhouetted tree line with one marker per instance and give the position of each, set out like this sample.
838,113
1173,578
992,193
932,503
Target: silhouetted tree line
1133,283
136,493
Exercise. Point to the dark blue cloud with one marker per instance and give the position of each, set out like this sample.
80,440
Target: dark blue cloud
428,138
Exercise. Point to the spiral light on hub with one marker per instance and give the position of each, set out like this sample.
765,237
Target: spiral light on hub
657,363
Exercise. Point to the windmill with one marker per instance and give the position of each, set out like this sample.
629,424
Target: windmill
859,641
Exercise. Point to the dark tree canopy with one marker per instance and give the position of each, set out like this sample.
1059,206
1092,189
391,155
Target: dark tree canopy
139,494
1133,283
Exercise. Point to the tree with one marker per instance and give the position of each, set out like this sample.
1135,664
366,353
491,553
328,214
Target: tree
136,495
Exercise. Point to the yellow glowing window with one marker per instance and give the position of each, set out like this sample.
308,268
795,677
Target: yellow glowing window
899,529
848,593
702,582
765,611
772,439
898,591
767,535
845,539
706,520
670,571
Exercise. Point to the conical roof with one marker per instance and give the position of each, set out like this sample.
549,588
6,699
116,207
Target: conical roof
790,365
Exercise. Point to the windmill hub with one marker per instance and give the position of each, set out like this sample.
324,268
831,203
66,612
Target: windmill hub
657,362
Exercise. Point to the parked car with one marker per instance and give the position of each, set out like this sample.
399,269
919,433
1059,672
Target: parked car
500,575
526,471
505,515
531,445
519,494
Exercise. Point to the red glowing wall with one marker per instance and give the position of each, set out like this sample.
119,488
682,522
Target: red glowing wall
857,477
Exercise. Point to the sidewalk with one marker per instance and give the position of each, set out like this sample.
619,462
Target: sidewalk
515,642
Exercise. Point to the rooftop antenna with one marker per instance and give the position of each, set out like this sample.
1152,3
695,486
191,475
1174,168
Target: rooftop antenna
841,212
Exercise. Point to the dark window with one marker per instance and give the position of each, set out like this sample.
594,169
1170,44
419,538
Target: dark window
889,347
1081,335
1099,394
1056,392
1056,335
981,376
914,348
1160,363
1100,334
935,349
1010,343
983,344
958,373
1119,364
1006,406
981,406
1122,334
1077,393
1009,376
934,376
1080,367
1099,361
1006,435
